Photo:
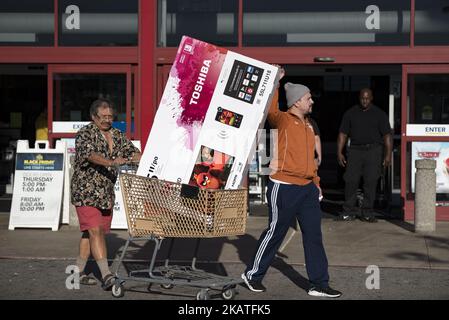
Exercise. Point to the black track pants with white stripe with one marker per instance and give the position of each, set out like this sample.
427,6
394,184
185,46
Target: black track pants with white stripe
287,201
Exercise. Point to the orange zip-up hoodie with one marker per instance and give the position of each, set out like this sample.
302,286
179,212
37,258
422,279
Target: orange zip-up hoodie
294,153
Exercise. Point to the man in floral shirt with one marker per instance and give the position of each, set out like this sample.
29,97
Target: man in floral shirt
99,150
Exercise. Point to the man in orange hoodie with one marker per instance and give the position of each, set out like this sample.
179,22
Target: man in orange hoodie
293,192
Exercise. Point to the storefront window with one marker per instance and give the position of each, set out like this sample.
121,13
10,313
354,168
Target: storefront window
213,21
98,23
26,23
438,151
431,22
326,22
74,93
429,99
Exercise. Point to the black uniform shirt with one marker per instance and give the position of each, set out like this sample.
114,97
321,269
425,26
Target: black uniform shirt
365,127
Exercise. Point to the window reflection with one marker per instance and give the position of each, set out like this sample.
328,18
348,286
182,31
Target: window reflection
326,22
213,21
429,99
432,22
98,23
74,93
26,23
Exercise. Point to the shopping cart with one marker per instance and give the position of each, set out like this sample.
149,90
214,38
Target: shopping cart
157,209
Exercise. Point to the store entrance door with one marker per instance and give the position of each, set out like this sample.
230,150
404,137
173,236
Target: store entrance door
425,130
335,89
73,88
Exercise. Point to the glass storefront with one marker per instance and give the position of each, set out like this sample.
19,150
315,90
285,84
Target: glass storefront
27,23
370,41
429,102
319,23
98,23
427,128
74,93
431,22
213,21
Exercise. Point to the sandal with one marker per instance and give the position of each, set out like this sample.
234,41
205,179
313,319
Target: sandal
87,280
108,281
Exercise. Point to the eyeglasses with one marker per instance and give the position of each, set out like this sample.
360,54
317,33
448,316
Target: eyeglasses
107,117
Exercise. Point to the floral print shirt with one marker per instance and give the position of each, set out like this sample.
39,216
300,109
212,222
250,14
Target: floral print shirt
92,184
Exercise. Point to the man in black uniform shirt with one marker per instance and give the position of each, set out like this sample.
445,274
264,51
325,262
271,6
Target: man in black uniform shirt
370,147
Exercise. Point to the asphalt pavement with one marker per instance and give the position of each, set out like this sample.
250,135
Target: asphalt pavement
367,261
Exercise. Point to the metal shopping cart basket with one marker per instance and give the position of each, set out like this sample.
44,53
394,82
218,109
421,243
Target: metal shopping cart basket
157,209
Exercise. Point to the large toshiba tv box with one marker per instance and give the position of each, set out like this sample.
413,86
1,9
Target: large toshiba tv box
206,125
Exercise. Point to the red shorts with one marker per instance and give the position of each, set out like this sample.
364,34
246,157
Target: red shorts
91,217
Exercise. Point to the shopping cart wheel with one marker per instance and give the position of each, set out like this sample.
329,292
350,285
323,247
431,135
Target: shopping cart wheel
167,285
118,291
228,294
203,294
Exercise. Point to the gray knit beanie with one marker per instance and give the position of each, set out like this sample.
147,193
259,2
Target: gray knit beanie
294,92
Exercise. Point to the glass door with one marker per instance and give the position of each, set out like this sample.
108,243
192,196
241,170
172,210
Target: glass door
73,88
163,73
425,131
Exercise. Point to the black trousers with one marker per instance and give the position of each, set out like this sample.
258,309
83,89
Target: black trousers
286,202
363,162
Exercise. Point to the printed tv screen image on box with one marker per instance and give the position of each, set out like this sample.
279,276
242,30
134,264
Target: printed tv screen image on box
211,170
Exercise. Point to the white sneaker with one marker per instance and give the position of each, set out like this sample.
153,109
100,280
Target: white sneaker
252,285
324,292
